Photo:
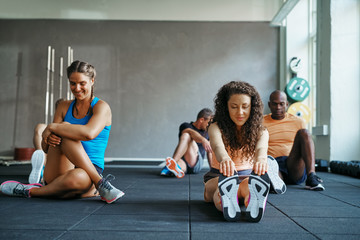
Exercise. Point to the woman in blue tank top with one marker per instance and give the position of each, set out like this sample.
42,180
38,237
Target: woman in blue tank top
75,144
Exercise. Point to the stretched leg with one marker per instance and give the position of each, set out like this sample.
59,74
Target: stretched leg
74,183
302,156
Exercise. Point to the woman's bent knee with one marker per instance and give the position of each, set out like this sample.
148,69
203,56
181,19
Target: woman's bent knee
77,179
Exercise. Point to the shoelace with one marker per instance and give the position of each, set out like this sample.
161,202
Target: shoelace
20,190
318,179
105,182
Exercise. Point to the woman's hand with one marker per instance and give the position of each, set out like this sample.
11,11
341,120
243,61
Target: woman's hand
260,168
50,138
227,167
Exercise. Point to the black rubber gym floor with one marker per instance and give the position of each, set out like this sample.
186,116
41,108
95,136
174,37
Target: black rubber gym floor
155,207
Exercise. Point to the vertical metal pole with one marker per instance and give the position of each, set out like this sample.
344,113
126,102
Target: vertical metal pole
61,76
68,84
47,86
71,60
52,84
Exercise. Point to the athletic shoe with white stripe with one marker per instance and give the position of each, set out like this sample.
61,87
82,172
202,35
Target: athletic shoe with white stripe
259,187
228,188
313,182
273,171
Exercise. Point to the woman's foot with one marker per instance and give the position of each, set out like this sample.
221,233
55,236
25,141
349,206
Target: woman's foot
259,187
107,191
228,188
17,189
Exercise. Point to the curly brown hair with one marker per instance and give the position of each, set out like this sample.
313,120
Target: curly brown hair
247,137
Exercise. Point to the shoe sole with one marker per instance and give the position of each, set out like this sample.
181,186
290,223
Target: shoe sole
172,166
276,182
114,199
37,163
228,188
259,187
316,188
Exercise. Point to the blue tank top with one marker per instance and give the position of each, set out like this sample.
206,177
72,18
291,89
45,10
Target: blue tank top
94,148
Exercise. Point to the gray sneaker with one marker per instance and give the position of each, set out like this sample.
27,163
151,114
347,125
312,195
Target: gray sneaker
17,189
277,183
107,191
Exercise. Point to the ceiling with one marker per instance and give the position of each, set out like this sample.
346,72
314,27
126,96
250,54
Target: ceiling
147,10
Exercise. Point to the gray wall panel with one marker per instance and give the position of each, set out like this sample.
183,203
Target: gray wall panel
154,75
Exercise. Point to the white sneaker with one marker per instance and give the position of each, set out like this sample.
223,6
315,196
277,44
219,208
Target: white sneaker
37,164
228,188
273,171
259,187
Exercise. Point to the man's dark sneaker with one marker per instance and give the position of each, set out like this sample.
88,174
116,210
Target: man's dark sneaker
17,189
313,182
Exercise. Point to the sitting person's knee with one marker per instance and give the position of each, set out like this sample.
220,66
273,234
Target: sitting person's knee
185,136
77,179
304,133
39,128
68,142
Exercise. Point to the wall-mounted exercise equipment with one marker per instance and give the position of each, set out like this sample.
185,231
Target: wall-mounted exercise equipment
297,89
50,82
301,110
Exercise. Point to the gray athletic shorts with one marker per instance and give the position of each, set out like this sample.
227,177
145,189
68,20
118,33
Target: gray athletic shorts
198,166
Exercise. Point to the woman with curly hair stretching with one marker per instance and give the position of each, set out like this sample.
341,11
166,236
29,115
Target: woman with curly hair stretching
239,168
